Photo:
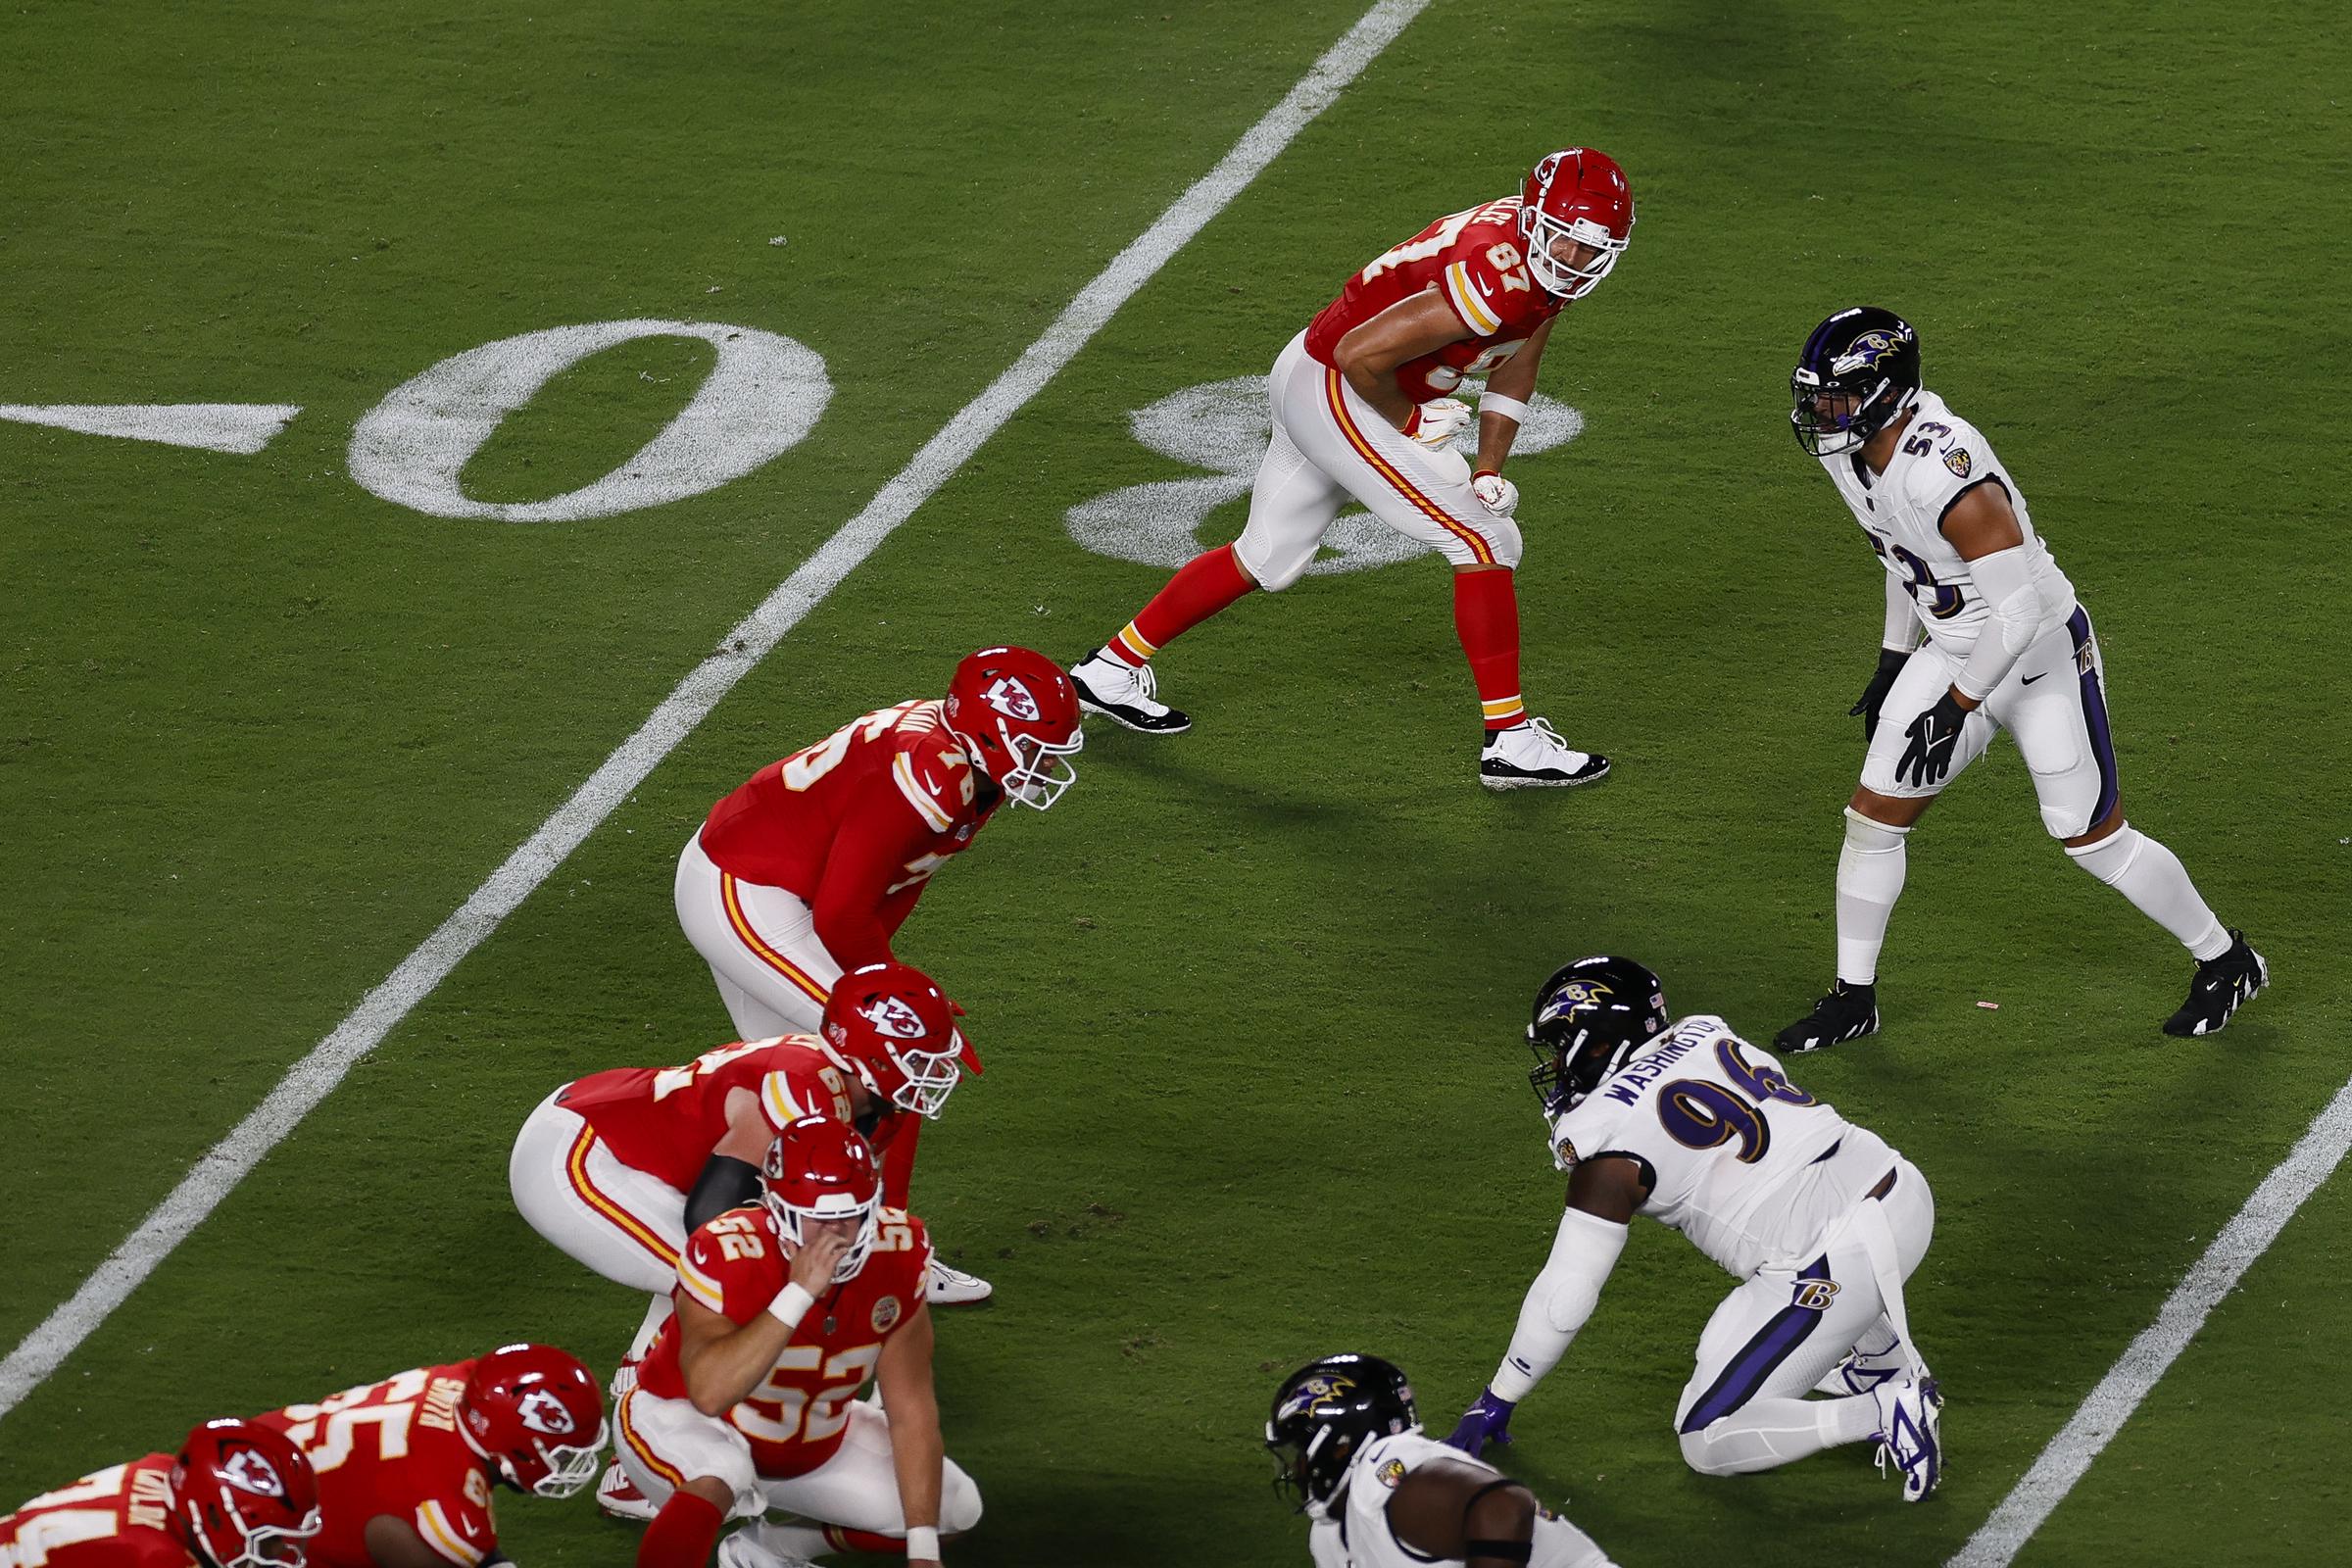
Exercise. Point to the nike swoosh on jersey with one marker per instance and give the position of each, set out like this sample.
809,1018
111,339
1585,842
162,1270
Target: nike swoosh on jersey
2029,680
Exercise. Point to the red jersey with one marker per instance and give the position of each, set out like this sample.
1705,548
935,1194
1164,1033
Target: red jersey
735,1265
116,1518
666,1121
393,1448
1474,261
855,824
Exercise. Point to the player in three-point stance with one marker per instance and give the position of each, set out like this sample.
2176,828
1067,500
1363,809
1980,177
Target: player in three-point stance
236,1496
1350,1452
405,1466
810,868
748,1400
1819,1220
2008,647
1361,409
619,1167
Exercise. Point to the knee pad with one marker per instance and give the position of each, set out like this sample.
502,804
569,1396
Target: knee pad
2109,860
1867,837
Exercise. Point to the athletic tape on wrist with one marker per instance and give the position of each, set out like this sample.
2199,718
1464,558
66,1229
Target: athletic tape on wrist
1508,408
792,1303
923,1543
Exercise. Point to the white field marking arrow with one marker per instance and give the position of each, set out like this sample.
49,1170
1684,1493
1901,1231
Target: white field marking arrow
240,428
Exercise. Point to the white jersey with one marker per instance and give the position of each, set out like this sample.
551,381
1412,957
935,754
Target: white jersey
1940,458
1356,1534
1750,1167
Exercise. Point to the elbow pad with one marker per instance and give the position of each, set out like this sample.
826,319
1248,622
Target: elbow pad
1559,1302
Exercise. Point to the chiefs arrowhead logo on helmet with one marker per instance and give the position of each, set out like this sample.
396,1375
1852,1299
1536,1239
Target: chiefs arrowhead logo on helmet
1008,696
893,1017
248,1471
544,1413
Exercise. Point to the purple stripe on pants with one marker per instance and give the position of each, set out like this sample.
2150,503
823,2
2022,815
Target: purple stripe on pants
2094,717
1772,1344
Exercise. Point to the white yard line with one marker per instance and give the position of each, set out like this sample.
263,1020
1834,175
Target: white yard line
314,1078
2243,1239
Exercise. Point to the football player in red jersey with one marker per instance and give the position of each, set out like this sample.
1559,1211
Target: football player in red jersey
236,1496
405,1466
618,1167
748,1400
810,867
1361,409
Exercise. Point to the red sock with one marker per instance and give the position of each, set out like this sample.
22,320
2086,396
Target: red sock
1486,615
682,1533
843,1539
1202,586
898,1160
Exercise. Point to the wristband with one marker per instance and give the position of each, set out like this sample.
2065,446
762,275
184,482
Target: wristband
792,1303
923,1543
1509,408
1487,473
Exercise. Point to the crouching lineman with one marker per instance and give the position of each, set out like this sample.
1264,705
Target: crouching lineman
810,867
406,1465
236,1496
617,1169
748,1400
2008,647
1348,1449
1819,1220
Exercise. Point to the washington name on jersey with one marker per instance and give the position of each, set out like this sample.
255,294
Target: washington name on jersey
119,1517
795,1419
1941,457
1473,261
1750,1167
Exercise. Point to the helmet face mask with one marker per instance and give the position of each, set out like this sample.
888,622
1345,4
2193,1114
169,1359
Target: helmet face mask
1323,1415
819,1172
1855,377
538,1417
1574,197
1017,714
1588,1020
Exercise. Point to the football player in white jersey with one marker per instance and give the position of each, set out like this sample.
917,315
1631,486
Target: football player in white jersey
1349,1450
1819,1220
2007,647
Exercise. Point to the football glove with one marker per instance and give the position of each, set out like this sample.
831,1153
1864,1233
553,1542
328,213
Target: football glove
1487,1420
1933,737
1438,421
1495,493
1874,696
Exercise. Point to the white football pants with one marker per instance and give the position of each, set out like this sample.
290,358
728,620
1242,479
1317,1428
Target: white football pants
760,944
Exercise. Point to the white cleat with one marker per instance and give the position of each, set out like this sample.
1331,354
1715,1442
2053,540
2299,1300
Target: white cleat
1530,755
1909,1412
1860,1374
1125,693
618,1495
744,1550
953,1286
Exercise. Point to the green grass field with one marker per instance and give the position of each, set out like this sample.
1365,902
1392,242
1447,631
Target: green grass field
1250,997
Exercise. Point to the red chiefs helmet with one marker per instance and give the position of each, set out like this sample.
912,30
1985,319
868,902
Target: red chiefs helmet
538,1416
1016,713
1579,195
894,1024
820,1170
246,1496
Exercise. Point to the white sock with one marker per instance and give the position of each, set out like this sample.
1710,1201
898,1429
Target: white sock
1870,878
1766,1434
2152,877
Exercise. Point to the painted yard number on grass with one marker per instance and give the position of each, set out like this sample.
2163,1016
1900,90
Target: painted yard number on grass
1223,426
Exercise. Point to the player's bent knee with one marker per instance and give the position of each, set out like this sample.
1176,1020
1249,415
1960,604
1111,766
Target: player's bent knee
959,1499
1282,566
1700,1455
1504,539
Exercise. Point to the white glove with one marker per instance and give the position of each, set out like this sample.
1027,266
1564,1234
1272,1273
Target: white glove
1438,421
1495,493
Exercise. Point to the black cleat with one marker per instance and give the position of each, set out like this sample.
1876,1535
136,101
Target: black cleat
1124,694
2221,986
1846,1012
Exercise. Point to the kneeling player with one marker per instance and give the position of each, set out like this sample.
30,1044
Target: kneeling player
748,1400
1819,1219
236,1496
406,1465
1348,1447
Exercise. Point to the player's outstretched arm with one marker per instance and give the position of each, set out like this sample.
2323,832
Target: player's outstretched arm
870,857
393,1543
723,1362
1983,527
1368,356
918,1453
1504,409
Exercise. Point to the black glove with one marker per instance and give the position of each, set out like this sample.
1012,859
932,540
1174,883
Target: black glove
1933,736
1874,695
